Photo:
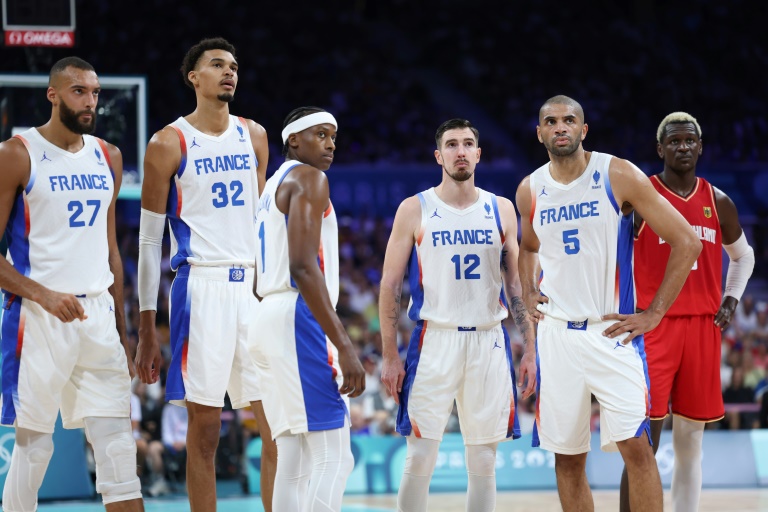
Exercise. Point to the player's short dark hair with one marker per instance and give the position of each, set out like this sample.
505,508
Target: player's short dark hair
295,114
68,62
453,124
193,55
562,99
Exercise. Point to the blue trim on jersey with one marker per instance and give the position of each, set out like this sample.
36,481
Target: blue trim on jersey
417,291
609,190
181,309
16,235
624,253
513,431
179,230
33,177
323,405
284,175
496,214
411,364
535,441
9,334
639,343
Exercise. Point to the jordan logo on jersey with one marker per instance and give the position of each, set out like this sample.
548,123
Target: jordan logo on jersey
194,143
543,192
236,275
98,156
45,157
618,344
496,344
435,214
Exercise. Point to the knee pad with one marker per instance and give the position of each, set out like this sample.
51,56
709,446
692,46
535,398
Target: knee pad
421,456
481,459
29,462
114,451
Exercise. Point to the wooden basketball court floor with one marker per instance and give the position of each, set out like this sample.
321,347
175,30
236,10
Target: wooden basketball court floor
732,500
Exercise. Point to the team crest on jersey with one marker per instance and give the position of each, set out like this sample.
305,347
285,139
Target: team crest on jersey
98,156
596,179
708,212
240,131
236,275
488,212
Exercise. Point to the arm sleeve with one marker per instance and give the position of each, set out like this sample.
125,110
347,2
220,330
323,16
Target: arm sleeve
151,227
740,267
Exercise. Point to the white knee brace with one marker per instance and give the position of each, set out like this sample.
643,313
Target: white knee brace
114,451
31,455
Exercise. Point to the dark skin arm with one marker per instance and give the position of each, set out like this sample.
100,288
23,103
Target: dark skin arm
731,231
304,195
528,260
161,161
14,176
115,262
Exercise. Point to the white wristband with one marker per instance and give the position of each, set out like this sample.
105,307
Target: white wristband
740,267
151,227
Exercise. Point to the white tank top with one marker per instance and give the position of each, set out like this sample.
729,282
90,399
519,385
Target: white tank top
455,267
272,272
212,200
57,230
586,244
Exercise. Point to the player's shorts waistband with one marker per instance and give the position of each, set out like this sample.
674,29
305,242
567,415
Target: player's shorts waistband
233,274
460,328
577,325
90,295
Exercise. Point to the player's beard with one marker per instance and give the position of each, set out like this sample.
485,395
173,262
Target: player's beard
460,175
71,120
564,150
226,97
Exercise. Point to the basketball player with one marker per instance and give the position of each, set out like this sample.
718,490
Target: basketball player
462,245
683,352
206,167
297,274
577,224
63,323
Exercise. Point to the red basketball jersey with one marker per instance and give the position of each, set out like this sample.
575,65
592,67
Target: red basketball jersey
702,291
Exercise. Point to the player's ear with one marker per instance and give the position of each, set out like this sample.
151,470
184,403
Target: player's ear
438,157
584,130
660,150
293,140
51,95
479,151
701,146
192,77
538,133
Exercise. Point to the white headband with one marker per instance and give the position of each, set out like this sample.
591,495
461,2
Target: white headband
305,122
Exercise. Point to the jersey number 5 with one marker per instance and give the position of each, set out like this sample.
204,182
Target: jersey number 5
572,245
472,261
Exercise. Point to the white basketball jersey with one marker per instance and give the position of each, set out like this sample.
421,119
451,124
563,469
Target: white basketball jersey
586,244
212,202
272,272
455,267
57,229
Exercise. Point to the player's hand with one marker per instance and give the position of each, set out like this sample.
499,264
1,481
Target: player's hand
635,324
527,368
149,360
392,376
353,373
63,306
536,304
131,366
726,312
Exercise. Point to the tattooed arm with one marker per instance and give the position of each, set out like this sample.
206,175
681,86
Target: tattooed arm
513,290
399,248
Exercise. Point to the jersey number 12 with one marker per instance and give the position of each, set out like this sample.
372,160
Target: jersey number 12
472,261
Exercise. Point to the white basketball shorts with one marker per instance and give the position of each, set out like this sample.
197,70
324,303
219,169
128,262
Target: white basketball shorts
210,312
78,367
575,361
